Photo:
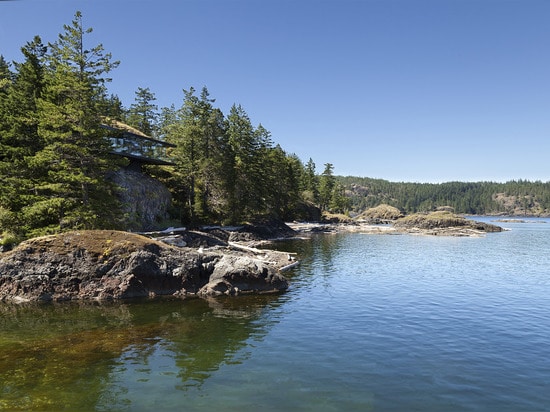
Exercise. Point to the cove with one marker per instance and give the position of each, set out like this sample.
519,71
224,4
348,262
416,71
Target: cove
370,322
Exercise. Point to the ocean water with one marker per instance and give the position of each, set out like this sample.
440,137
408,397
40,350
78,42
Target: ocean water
370,323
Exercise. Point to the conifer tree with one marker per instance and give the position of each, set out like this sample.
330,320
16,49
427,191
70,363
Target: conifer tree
21,117
74,159
339,202
5,74
326,186
198,132
143,112
7,189
248,149
112,108
211,193
283,174
19,133
6,81
310,183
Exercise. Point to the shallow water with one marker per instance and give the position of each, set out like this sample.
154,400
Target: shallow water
371,322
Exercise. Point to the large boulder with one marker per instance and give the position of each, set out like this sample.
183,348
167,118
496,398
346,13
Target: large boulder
116,265
239,274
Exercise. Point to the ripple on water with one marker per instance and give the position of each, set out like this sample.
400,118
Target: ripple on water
380,323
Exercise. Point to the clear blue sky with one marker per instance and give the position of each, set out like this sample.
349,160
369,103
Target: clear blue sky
403,90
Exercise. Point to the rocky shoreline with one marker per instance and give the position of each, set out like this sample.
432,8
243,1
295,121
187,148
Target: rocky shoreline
420,224
105,265
108,265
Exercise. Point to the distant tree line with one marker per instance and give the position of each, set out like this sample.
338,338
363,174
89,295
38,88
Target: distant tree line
55,158
480,198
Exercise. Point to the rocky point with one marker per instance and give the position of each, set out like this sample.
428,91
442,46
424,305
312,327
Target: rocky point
103,264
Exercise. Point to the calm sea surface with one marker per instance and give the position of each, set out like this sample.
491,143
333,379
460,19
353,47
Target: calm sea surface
371,323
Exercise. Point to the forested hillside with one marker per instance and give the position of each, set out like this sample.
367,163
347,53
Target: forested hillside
482,198
56,157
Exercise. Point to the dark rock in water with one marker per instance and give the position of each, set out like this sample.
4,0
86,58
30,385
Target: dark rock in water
117,265
262,230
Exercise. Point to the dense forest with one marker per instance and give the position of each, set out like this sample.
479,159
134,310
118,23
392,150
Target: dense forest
481,198
55,158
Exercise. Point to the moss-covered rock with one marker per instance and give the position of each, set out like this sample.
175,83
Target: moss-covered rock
443,220
380,213
103,264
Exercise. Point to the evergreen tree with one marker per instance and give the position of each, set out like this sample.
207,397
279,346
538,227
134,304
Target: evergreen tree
5,74
19,132
6,80
112,108
283,174
168,116
249,148
310,183
197,130
74,160
339,202
327,183
212,195
143,112
27,88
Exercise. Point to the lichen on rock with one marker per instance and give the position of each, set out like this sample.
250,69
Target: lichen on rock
104,264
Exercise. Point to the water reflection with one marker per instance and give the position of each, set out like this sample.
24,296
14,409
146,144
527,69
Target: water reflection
90,356
317,259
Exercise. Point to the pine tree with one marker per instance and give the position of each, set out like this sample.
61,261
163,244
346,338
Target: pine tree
283,173
74,159
19,133
326,186
310,183
111,107
143,112
5,74
248,148
198,131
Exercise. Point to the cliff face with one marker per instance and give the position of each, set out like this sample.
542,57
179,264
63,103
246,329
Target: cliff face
145,200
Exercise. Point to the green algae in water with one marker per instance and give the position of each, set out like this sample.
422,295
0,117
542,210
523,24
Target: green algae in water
69,356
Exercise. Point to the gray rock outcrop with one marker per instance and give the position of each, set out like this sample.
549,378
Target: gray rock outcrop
103,265
145,201
443,223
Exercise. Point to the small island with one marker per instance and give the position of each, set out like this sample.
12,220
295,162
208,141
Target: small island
385,219
112,265
444,223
